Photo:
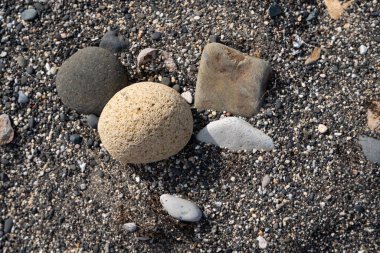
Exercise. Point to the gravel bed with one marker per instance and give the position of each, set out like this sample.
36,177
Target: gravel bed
322,195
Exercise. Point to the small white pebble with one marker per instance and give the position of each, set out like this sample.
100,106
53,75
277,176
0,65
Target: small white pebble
262,242
130,227
322,128
363,49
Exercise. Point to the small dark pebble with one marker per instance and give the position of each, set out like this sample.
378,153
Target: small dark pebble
359,209
174,34
274,10
23,80
128,16
156,36
5,162
31,123
334,68
377,38
75,138
278,104
89,143
29,70
165,80
8,224
4,177
214,38
177,87
184,29
95,249
101,174
63,117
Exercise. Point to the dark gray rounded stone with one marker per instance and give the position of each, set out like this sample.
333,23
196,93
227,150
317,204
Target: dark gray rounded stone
75,138
89,78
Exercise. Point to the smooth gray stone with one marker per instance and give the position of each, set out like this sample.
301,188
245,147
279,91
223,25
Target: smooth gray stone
181,209
22,98
8,224
235,134
29,14
371,148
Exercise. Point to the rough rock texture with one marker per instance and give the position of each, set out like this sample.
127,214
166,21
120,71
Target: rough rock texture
371,148
89,78
235,134
181,209
6,130
373,116
146,55
145,122
229,80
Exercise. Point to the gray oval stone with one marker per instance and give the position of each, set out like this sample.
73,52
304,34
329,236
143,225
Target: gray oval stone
22,98
235,134
130,227
29,14
181,209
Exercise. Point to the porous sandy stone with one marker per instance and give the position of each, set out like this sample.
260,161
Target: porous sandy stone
89,78
145,122
229,80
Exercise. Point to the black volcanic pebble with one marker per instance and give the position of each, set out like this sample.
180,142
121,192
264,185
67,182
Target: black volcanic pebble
75,138
156,36
112,42
274,10
89,78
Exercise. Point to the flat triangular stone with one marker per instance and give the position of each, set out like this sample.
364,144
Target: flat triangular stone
235,134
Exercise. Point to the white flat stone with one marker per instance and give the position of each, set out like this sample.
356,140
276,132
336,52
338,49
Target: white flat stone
130,227
181,209
262,242
322,128
187,96
235,134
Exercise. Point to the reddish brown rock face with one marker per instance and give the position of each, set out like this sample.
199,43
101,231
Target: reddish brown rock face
230,81
6,130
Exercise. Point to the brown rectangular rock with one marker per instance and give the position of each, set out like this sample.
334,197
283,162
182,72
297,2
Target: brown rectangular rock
229,80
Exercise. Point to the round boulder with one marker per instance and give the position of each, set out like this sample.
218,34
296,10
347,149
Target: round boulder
89,78
145,122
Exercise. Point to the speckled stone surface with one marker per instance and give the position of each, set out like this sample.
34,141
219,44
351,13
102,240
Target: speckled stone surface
145,122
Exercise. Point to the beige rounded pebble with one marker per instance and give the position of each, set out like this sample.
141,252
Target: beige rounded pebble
145,122
322,128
